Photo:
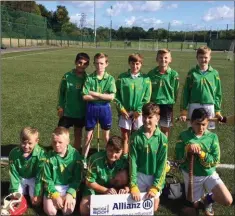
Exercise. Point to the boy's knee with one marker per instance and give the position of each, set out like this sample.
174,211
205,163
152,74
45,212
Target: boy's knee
156,204
228,201
50,211
84,207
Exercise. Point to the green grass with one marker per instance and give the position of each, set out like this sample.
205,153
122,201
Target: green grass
29,97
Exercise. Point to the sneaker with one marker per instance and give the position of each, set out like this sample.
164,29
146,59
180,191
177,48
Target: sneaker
208,209
85,165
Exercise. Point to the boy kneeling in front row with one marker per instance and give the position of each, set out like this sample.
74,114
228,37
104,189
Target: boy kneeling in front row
106,174
208,187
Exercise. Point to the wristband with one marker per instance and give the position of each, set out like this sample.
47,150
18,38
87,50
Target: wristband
135,189
55,195
154,190
202,155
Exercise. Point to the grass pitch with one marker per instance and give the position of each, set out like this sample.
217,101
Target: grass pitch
30,82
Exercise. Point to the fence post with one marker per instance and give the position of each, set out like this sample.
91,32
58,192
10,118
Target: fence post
25,36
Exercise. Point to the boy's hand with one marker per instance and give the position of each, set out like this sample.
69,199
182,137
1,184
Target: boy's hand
36,200
194,148
135,193
111,191
124,191
219,116
183,118
60,112
68,203
136,115
58,202
152,191
125,114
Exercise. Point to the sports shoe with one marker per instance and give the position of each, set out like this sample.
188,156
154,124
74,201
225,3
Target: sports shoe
208,209
85,165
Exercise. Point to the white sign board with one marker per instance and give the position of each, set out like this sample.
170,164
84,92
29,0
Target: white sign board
120,204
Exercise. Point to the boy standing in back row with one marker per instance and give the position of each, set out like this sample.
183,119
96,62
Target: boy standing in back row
133,91
165,84
202,88
98,90
71,106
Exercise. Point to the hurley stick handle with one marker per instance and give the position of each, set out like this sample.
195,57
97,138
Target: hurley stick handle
190,183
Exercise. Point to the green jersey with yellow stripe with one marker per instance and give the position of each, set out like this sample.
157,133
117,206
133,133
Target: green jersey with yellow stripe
165,86
106,85
132,93
70,95
203,88
21,167
209,144
148,156
63,171
101,172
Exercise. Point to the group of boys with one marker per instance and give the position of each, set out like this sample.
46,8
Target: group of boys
137,161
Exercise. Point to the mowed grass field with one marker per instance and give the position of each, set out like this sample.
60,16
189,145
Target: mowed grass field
30,82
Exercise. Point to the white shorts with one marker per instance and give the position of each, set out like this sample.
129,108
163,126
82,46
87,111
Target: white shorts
201,184
62,189
127,124
210,109
145,182
23,185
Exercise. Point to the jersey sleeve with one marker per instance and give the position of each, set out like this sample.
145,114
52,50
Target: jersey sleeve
160,174
146,94
132,162
118,99
14,174
86,87
212,157
38,179
77,178
47,179
180,153
112,87
176,86
185,93
218,94
62,93
91,175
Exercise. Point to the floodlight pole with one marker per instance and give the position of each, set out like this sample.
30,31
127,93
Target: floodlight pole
94,23
110,32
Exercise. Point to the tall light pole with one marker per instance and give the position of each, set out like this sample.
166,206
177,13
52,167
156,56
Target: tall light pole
110,32
94,24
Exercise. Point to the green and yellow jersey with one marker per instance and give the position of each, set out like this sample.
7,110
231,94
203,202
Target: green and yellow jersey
63,171
164,86
132,93
70,95
21,167
209,144
203,88
148,156
106,85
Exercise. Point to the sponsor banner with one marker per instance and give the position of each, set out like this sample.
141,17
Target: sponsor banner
120,204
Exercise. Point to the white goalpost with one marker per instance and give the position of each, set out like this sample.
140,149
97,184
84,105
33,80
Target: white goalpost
148,44
230,55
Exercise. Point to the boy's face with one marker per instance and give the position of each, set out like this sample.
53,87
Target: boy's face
203,59
164,60
150,121
29,144
81,65
135,67
199,127
113,155
59,143
100,65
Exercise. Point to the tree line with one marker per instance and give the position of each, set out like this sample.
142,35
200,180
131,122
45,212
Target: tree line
58,23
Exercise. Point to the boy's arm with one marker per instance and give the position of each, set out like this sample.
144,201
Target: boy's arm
49,184
176,86
180,153
212,157
159,176
14,176
61,93
118,99
100,96
146,95
86,91
77,179
185,96
97,187
132,164
38,179
218,95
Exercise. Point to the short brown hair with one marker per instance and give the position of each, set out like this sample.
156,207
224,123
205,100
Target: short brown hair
135,57
61,131
162,51
150,109
101,55
203,50
26,132
115,142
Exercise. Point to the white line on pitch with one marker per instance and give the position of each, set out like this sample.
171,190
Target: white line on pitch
226,166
